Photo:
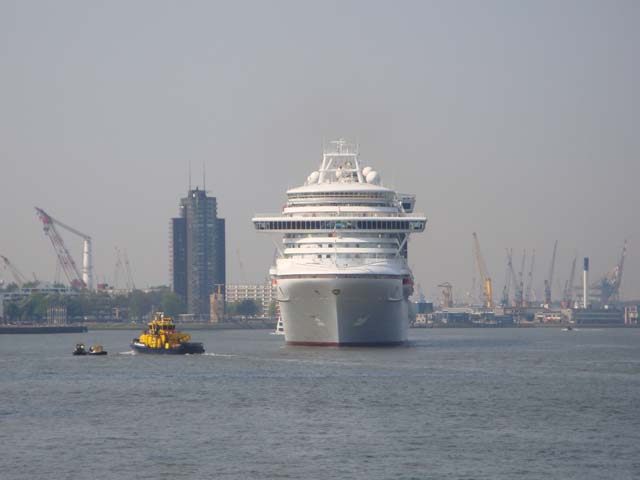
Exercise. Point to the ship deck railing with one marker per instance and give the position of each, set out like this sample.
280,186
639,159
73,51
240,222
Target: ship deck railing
345,215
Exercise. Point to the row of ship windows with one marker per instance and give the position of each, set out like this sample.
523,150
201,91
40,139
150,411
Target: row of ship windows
341,204
341,225
342,245
329,213
386,195
343,255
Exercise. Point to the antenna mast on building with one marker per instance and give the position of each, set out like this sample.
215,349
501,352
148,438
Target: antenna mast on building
204,176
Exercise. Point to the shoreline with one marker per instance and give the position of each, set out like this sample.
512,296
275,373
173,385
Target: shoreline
78,328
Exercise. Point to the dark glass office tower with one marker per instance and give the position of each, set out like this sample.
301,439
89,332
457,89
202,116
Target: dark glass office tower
197,251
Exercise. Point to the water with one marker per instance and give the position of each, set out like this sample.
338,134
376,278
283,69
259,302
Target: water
455,404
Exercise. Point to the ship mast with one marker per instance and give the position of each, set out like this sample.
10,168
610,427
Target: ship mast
340,163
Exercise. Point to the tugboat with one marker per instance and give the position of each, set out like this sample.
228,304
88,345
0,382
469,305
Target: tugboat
161,337
80,349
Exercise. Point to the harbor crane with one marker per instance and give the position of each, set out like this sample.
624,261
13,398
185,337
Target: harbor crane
567,299
548,282
519,281
527,294
609,285
65,259
507,280
18,277
122,264
484,276
130,283
447,294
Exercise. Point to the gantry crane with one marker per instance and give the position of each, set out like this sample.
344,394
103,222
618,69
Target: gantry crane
18,277
484,276
549,280
64,257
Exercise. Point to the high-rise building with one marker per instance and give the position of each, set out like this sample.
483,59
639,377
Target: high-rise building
197,247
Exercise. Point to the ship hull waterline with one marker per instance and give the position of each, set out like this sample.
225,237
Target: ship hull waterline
344,311
185,348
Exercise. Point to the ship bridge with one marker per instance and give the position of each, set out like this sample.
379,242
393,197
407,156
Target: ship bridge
342,215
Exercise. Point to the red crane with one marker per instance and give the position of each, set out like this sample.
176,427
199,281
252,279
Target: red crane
65,259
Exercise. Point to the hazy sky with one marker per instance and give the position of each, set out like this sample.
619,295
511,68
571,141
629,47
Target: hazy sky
517,120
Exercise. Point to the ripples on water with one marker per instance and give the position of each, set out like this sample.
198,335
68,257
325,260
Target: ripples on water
453,404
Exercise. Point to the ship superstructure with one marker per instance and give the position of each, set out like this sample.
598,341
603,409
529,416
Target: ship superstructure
342,275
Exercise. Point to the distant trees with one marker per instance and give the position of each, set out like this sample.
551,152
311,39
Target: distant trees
12,311
139,304
273,309
95,305
171,304
244,308
104,306
9,287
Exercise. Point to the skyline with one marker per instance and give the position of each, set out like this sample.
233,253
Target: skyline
513,121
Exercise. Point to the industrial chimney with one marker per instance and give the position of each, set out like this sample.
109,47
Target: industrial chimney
585,283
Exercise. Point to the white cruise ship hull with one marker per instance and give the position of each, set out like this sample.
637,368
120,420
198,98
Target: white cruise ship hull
330,311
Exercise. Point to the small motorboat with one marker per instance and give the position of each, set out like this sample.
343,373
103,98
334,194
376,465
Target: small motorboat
80,349
97,350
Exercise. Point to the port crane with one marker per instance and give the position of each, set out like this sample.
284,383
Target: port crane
127,265
548,282
484,276
609,285
518,299
567,300
18,277
527,294
517,296
65,259
507,280
122,263
447,294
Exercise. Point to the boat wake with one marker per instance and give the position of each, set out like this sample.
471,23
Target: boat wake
209,354
128,352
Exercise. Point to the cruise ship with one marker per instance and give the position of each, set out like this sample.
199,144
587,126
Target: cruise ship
341,274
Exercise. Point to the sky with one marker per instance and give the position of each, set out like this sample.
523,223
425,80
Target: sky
515,120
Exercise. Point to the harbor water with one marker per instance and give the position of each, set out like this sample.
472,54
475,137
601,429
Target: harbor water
452,404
